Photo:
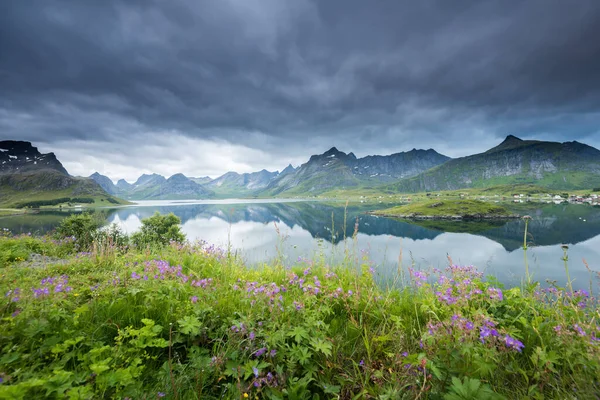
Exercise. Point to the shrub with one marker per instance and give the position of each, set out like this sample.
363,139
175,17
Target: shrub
158,230
81,227
111,236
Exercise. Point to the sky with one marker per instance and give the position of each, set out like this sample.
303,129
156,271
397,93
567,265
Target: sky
126,87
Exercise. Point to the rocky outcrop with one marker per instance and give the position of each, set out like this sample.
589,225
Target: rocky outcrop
19,157
105,183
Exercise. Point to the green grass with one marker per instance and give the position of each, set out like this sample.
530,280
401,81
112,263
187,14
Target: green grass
6,212
446,208
192,322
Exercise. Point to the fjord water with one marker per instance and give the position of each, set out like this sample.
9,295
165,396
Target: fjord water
260,231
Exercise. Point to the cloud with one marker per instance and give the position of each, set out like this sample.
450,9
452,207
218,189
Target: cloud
265,82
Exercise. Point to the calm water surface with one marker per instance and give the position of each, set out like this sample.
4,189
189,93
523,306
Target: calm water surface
263,230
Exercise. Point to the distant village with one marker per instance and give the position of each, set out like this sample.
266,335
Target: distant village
592,199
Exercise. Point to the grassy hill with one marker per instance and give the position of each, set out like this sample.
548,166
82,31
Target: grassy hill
19,190
447,209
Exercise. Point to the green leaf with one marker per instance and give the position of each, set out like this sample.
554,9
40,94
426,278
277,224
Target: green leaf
298,333
322,346
189,326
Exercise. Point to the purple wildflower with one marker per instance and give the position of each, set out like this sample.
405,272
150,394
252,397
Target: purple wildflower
579,330
513,343
260,352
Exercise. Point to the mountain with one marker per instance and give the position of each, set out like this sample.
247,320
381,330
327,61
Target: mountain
179,186
28,177
123,186
569,165
105,183
287,170
202,180
19,157
157,187
233,183
337,170
149,180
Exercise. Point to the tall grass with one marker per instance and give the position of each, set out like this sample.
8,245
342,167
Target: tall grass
190,321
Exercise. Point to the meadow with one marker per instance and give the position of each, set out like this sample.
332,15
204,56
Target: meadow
91,313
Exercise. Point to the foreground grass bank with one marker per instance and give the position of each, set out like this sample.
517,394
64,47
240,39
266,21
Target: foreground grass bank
189,321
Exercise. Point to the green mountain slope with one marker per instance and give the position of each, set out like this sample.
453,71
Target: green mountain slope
30,178
337,170
569,165
42,185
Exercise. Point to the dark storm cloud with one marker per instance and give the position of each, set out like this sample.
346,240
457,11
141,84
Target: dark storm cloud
300,76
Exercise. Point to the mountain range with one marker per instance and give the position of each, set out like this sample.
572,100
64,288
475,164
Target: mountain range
569,165
561,166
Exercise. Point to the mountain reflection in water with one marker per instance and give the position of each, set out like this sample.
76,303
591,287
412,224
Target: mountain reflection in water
261,231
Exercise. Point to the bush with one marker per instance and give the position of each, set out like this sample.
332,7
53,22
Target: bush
111,236
158,230
81,227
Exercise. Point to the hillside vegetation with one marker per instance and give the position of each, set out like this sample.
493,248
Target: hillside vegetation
45,187
447,208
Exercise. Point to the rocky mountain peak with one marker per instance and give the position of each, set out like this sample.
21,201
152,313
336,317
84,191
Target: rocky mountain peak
178,178
145,178
105,182
19,156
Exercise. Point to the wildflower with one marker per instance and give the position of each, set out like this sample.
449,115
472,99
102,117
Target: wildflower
495,294
260,352
469,325
161,394
252,335
245,395
579,330
513,343
273,353
557,328
255,370
405,354
361,363
485,332
194,299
